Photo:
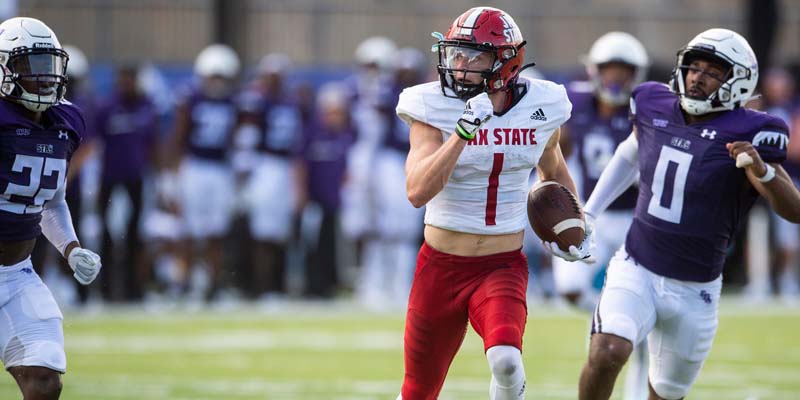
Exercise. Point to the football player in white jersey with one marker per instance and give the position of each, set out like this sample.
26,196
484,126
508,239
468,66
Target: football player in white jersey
616,63
475,136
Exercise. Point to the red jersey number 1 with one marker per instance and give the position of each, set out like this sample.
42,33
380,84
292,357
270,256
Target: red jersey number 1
491,191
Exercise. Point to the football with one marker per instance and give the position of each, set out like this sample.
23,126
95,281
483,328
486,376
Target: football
555,215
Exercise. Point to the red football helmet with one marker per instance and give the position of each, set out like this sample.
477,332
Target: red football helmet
478,32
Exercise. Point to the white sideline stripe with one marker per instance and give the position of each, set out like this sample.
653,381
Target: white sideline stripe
225,341
567,224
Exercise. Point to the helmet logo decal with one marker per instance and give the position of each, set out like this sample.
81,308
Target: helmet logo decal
508,32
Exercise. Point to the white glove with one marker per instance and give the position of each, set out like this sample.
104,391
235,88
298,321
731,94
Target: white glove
583,252
478,110
85,263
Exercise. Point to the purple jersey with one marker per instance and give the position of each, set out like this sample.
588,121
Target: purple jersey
33,164
128,132
325,155
211,125
595,140
280,123
691,195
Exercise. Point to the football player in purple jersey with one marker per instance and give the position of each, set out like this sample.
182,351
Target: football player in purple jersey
702,161
204,124
616,63
268,139
39,133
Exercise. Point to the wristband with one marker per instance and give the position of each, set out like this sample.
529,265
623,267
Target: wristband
769,175
463,134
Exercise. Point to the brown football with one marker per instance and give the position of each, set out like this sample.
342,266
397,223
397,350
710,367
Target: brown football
555,215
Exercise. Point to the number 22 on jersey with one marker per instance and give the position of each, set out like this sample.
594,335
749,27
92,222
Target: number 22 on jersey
34,190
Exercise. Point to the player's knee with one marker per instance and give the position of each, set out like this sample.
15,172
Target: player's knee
609,351
505,363
669,390
41,383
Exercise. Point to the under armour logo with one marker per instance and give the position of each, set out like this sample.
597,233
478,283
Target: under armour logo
705,296
708,134
63,134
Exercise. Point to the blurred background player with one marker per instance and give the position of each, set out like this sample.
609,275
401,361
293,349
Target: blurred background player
127,133
703,160
778,88
371,102
616,63
39,133
326,144
204,125
388,261
269,137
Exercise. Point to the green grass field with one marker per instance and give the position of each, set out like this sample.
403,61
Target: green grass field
334,352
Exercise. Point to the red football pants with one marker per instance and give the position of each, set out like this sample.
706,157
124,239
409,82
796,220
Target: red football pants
448,291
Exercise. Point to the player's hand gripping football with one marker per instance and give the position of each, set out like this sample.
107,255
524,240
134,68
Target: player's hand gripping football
85,263
477,112
580,253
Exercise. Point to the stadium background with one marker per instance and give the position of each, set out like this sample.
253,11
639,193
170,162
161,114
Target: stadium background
302,349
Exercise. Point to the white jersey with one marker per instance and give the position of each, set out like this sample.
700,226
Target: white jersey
487,192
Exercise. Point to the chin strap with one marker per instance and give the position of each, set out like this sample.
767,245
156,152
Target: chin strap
526,66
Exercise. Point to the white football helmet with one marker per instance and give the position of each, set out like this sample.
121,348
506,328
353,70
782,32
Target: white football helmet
275,63
729,49
217,60
618,47
32,64
377,50
78,63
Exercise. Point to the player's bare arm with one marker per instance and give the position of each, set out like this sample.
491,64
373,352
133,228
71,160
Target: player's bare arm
552,166
770,180
565,142
430,162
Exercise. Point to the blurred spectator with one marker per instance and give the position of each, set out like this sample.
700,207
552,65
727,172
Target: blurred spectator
325,148
127,125
779,89
268,139
204,124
